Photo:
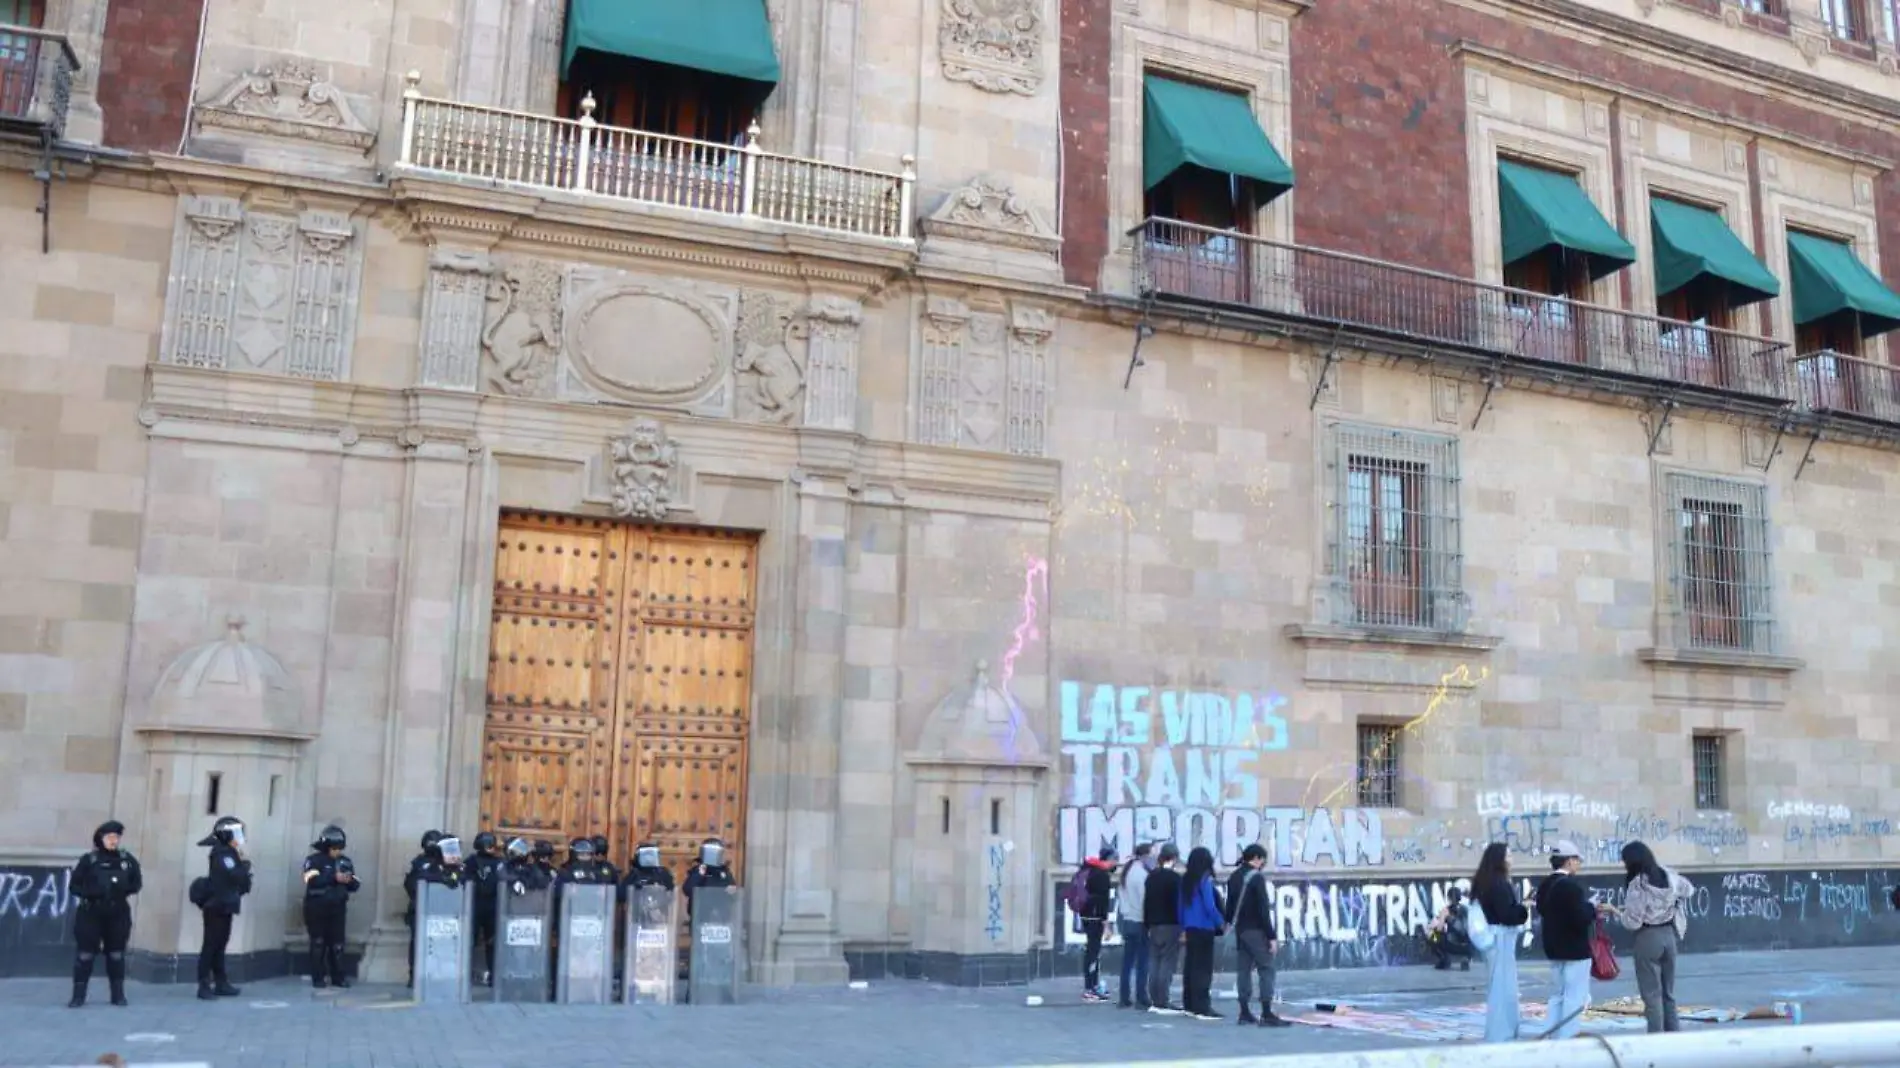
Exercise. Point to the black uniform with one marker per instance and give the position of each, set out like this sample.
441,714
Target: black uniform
708,876
102,881
326,903
603,865
485,870
227,880
526,874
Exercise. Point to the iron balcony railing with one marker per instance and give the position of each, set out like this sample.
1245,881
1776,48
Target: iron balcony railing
1847,385
583,156
1185,260
36,80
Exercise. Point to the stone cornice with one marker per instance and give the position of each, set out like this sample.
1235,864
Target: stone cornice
1497,59
1738,70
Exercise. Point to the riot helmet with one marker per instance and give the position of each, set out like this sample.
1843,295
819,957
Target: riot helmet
485,842
712,853
229,830
449,848
647,856
429,839
331,838
518,849
581,849
600,846
543,849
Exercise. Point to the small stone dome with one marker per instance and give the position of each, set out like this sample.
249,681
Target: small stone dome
229,687
979,723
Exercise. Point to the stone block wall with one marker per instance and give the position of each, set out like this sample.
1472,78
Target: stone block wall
79,328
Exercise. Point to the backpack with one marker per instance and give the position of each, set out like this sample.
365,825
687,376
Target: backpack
200,891
1078,894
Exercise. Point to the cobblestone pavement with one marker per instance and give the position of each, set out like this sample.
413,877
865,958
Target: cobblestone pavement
284,1023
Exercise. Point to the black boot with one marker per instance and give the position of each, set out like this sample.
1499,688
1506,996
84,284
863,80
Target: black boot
318,966
335,962
1268,1019
115,975
1246,1015
205,992
82,976
224,989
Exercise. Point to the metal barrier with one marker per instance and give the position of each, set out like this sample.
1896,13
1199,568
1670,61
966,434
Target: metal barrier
1859,1045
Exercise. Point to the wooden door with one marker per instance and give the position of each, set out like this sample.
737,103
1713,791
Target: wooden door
619,684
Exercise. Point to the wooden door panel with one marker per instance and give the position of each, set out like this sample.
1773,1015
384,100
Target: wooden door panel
619,684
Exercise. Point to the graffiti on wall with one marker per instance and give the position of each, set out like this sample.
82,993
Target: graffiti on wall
36,907
1147,764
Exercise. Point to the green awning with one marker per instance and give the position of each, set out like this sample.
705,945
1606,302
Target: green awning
1829,279
1192,125
730,37
1541,208
1693,242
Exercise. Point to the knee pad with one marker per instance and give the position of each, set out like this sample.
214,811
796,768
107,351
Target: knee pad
86,958
115,957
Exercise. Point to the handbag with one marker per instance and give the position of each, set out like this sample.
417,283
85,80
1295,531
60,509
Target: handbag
1478,927
1603,966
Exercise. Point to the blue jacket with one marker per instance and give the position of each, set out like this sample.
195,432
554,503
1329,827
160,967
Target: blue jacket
1200,911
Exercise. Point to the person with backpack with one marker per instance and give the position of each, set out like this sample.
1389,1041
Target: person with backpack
1250,914
219,893
1450,934
1129,909
1161,917
1089,893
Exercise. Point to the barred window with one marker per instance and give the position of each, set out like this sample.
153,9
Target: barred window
1844,19
1378,765
1393,529
1710,789
1719,564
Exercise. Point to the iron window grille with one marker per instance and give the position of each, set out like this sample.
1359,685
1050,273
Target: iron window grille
1720,564
1710,792
1378,776
1393,551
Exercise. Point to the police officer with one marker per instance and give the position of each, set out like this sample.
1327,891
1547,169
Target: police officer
227,880
102,881
647,869
603,864
520,871
329,878
485,870
429,866
711,872
544,858
580,866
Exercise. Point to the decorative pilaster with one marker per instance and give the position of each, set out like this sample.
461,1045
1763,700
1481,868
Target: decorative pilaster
940,379
983,377
1027,401
200,297
452,315
831,372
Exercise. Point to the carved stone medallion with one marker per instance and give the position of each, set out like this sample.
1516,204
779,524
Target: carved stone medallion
645,466
995,45
644,342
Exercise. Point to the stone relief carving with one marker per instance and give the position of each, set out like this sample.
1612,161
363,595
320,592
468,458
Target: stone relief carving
521,330
995,45
831,363
262,291
645,464
647,341
988,211
983,381
286,99
769,371
454,318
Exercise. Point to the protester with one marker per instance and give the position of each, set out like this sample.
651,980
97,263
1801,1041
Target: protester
1563,903
1134,933
1201,919
1449,934
1250,914
1161,915
1097,885
1652,907
1491,888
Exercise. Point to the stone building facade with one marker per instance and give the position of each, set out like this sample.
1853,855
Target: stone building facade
923,447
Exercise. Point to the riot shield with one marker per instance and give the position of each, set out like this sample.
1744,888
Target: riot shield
522,924
652,960
712,977
584,961
442,943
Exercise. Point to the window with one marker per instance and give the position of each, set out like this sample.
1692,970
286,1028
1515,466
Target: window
1844,19
638,95
1547,329
1890,14
1762,7
1710,788
1719,565
1839,333
1394,529
214,788
19,55
1379,753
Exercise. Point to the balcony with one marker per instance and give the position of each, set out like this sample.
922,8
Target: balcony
1833,384
1196,263
539,152
36,81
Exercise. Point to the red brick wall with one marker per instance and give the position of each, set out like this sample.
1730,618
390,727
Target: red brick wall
1084,86
1379,126
145,72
